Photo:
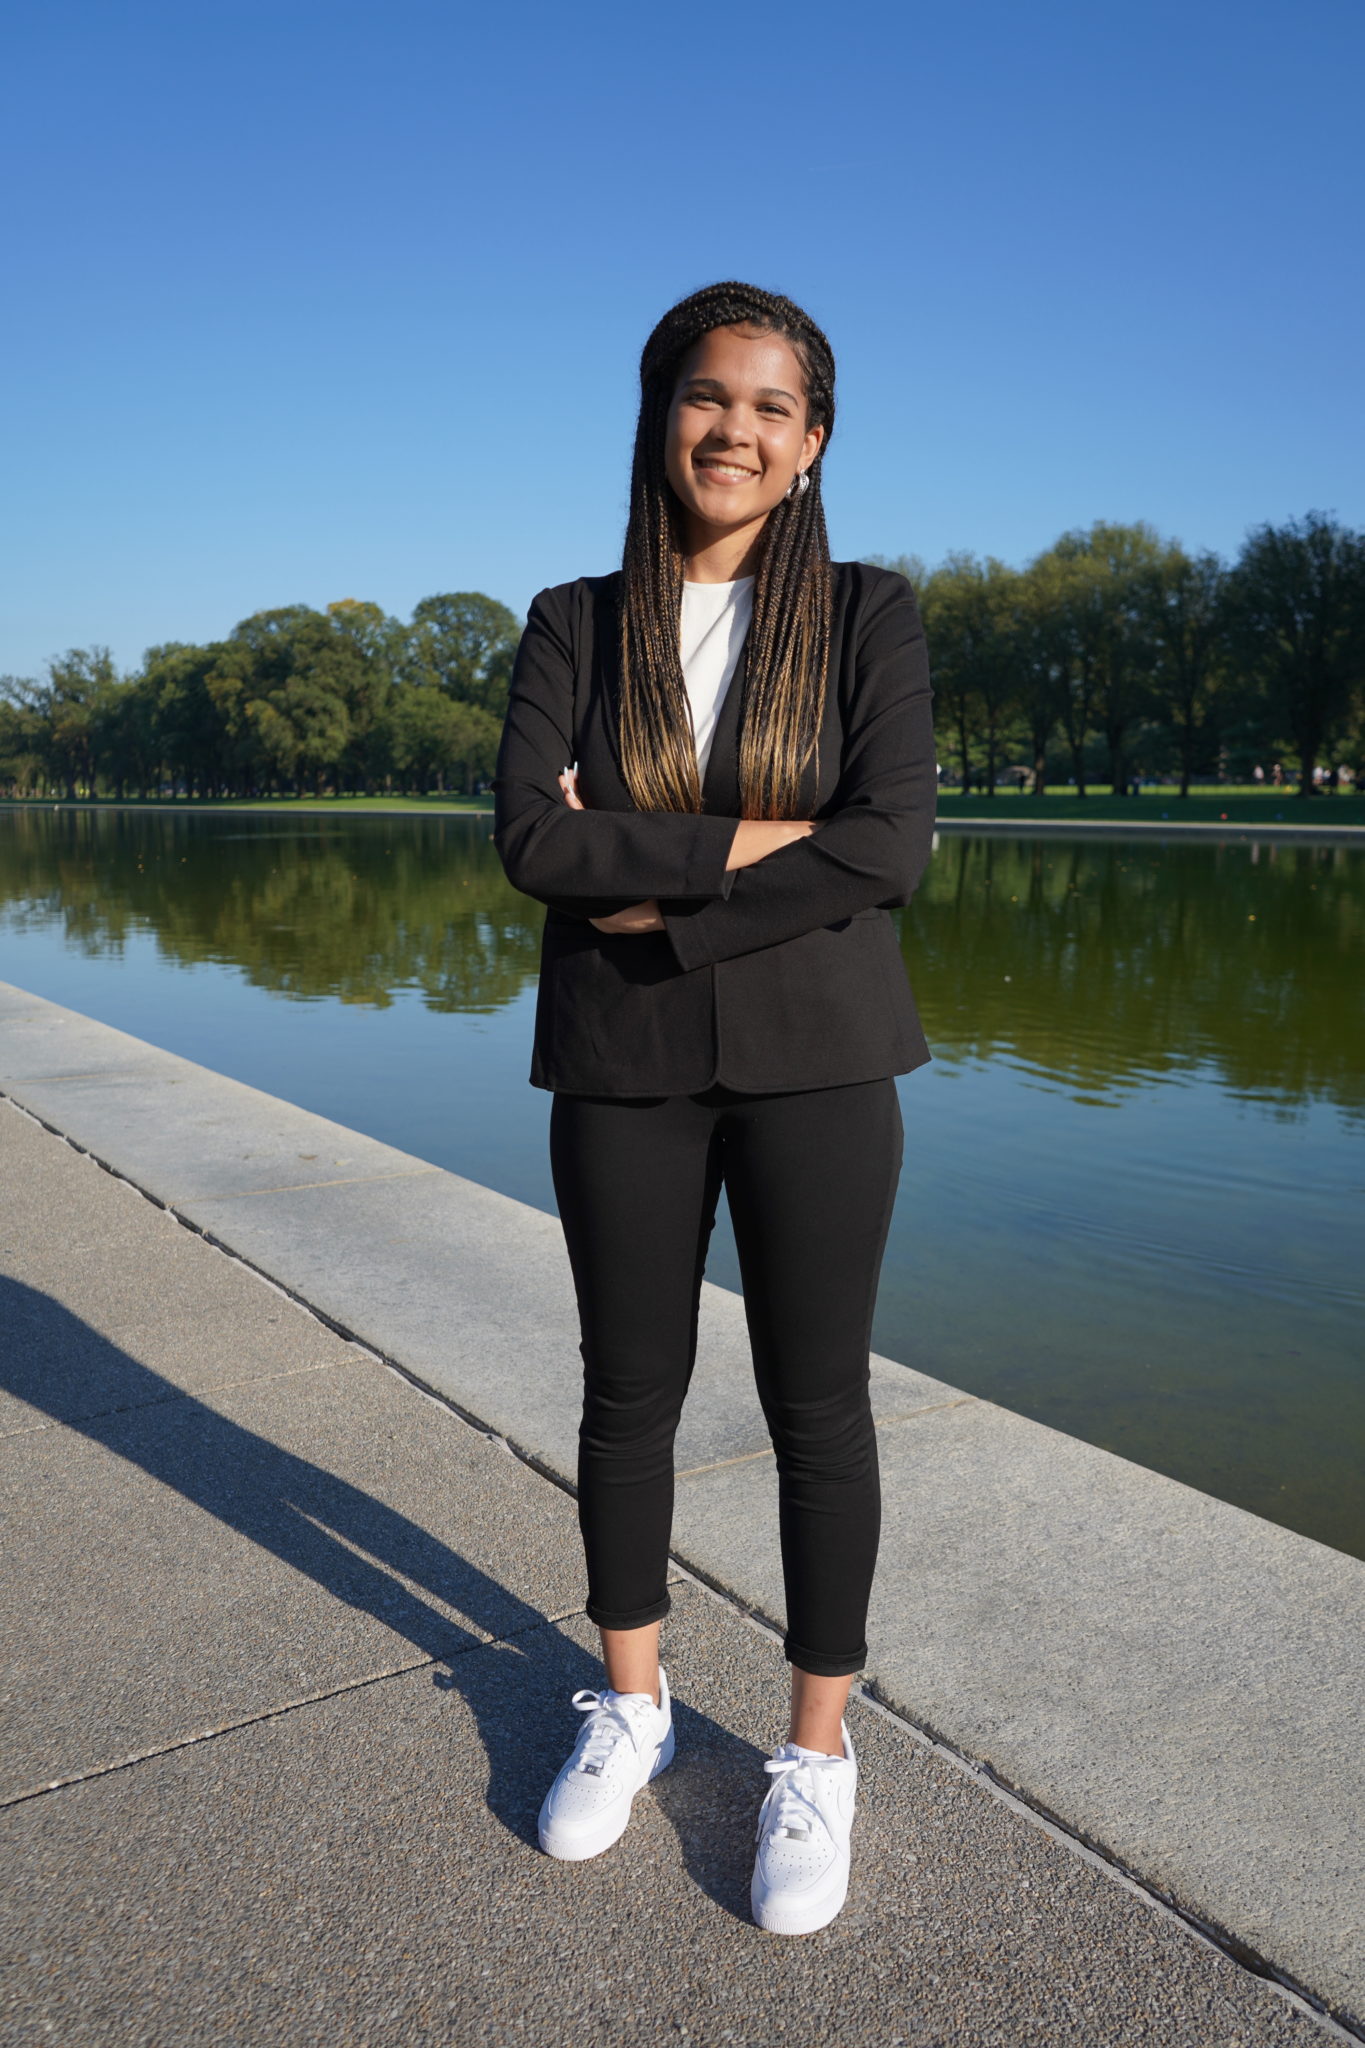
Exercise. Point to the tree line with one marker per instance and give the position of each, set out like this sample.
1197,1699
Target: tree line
1114,653
294,701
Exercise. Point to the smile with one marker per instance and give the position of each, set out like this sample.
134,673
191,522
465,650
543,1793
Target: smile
725,469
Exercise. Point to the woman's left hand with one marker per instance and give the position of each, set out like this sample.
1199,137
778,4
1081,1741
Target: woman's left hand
640,917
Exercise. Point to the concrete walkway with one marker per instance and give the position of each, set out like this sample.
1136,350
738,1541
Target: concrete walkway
289,1647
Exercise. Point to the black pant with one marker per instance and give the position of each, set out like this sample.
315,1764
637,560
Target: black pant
811,1180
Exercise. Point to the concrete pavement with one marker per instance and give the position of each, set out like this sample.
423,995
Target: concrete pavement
224,1516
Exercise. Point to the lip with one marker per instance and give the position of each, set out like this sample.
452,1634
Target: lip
706,465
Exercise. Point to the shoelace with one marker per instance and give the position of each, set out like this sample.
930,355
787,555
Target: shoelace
608,1724
790,1806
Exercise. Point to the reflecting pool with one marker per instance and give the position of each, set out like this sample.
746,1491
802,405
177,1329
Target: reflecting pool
1132,1199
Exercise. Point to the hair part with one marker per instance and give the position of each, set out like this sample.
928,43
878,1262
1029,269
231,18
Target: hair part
789,638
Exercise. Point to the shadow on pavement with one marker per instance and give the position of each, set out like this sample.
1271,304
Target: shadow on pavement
360,1551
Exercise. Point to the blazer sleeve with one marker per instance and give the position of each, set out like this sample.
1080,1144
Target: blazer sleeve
584,863
873,844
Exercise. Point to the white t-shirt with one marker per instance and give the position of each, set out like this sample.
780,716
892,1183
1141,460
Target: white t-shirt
715,618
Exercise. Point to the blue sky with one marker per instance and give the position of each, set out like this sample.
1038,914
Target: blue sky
309,301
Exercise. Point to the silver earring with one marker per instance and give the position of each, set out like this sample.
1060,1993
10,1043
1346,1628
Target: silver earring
799,485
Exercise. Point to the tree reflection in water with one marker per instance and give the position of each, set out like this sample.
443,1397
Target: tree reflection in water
1100,965
1130,1203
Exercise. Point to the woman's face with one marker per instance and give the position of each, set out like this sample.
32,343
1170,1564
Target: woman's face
737,433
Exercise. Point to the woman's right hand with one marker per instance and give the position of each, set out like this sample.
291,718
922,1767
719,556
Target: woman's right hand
756,838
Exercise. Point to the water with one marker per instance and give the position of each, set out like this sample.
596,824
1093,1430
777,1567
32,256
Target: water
1132,1200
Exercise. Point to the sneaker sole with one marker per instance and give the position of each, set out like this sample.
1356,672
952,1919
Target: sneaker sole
798,1916
584,1843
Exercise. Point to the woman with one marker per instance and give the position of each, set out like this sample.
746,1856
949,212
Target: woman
718,774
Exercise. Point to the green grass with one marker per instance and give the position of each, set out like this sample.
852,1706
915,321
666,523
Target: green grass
431,803
1203,806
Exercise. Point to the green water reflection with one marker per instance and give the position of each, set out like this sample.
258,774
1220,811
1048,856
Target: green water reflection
1101,964
352,909
1106,964
1132,1199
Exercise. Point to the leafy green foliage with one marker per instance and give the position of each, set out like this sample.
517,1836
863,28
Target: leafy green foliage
1115,649
294,701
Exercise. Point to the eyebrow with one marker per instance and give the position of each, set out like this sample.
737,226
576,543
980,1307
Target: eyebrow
767,391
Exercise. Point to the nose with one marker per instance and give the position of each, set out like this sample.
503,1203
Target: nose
732,428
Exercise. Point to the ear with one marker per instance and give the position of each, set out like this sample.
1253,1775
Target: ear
811,445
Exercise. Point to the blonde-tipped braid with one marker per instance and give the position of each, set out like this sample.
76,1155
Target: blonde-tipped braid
788,653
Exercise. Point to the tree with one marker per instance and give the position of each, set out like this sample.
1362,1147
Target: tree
188,733
968,607
435,737
1093,584
302,673
1186,601
1066,582
127,744
1297,601
368,652
294,698
24,737
1039,640
465,642
1127,557
78,688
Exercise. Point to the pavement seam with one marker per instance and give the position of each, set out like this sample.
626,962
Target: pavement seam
199,1394
886,1422
1223,1939
276,1713
302,1186
102,1074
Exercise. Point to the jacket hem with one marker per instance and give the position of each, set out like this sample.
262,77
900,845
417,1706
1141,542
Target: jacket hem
722,1076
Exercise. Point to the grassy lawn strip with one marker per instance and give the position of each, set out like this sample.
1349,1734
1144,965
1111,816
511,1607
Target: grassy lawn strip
1249,806
1158,806
309,804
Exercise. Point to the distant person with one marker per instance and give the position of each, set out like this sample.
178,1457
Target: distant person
1277,775
718,773
1258,773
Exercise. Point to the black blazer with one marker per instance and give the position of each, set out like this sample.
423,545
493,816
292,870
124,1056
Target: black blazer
783,975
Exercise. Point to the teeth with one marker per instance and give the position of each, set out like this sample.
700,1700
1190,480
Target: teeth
726,469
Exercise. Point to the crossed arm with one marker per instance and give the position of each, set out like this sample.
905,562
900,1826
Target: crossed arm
724,886
754,839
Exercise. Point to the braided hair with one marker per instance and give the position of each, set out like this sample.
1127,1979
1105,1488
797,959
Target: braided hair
789,637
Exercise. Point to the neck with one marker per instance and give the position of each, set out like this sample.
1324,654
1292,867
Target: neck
721,554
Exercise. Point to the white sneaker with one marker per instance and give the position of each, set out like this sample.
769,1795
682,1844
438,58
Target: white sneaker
625,1741
804,1824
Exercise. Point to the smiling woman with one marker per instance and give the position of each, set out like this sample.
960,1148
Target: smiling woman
732,425
737,445
722,1002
